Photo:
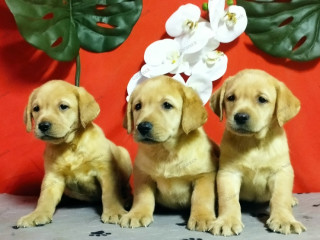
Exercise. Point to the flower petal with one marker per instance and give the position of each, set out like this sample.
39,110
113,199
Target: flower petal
213,44
232,25
157,52
161,57
195,41
154,71
179,78
183,67
177,23
216,12
201,85
136,79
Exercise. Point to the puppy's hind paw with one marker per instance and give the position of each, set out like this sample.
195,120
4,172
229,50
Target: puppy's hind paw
135,220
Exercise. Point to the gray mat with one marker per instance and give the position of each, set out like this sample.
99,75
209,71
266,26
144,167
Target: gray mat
75,220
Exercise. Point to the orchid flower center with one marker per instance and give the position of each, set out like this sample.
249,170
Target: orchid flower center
173,57
230,19
191,25
212,57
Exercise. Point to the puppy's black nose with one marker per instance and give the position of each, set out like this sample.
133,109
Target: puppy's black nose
144,128
44,126
241,118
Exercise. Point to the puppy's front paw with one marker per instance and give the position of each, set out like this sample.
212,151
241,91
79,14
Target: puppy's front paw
112,215
227,226
285,225
136,219
34,219
201,222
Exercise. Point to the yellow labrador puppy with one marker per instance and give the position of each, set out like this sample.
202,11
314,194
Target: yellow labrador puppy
176,162
254,161
79,160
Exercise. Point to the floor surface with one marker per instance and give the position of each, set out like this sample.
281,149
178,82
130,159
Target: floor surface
75,220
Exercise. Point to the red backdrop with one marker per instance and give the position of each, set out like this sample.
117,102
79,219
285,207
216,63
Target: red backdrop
106,75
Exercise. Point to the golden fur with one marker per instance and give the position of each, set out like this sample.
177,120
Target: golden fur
78,159
254,161
176,162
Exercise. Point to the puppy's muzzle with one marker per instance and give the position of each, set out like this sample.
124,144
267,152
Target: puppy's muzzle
241,118
144,128
44,126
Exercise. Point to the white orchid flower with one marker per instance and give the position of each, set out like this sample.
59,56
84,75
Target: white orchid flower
194,42
193,51
189,29
184,20
227,24
212,66
161,57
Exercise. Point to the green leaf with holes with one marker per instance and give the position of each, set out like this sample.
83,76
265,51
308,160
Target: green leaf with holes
61,27
285,28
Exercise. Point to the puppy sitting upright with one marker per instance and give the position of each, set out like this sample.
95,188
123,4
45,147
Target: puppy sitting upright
79,160
254,163
176,162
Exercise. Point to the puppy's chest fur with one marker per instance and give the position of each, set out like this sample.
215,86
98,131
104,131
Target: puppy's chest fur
257,163
79,167
174,172
173,179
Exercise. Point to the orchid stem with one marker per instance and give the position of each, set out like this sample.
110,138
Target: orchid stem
78,70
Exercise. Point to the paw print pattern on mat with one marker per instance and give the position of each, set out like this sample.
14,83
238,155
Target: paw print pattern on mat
99,234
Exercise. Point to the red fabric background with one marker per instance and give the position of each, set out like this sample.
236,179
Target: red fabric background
106,75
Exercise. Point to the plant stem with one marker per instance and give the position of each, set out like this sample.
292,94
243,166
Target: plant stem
78,70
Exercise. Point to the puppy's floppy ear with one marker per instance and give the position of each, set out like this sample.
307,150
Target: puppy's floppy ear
88,107
287,105
27,116
194,115
216,101
127,121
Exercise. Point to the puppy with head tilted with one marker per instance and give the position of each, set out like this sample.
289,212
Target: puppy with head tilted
254,163
79,160
176,162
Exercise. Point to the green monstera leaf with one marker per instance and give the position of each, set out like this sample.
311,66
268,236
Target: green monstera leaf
289,29
61,27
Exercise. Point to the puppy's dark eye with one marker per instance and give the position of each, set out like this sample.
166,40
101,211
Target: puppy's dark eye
36,109
231,98
262,100
63,107
167,105
138,106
